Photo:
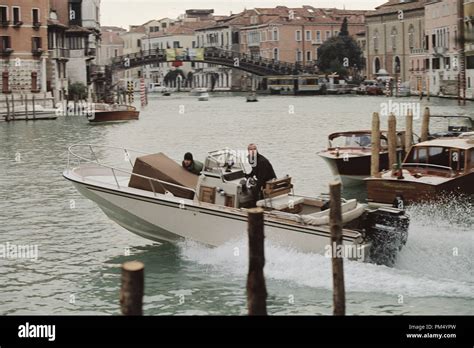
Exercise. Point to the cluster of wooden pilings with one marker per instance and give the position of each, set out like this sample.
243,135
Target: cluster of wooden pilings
392,139
24,108
132,289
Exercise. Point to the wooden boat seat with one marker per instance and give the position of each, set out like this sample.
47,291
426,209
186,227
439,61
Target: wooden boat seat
278,187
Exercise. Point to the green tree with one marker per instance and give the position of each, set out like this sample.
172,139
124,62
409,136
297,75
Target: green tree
340,53
77,91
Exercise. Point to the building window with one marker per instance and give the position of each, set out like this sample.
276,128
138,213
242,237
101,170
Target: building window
393,37
163,25
298,35
376,41
299,56
76,43
16,15
116,53
328,34
3,14
318,36
275,34
176,44
35,16
276,54
308,35
447,63
308,56
5,43
411,37
253,19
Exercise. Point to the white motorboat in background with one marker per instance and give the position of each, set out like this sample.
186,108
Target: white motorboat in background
197,91
154,197
204,96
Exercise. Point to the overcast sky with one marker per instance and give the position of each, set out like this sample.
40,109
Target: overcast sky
125,12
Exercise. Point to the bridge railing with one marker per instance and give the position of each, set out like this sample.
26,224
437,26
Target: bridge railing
226,56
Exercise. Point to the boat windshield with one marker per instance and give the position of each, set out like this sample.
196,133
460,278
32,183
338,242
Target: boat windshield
227,163
354,141
441,157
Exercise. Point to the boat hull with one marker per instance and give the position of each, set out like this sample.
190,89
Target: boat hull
167,220
389,191
353,170
111,116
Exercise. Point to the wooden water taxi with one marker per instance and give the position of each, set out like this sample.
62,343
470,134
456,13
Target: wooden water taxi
430,170
113,113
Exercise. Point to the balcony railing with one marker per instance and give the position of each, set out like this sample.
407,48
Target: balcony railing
59,53
37,52
37,25
4,24
5,52
316,41
17,24
419,51
440,50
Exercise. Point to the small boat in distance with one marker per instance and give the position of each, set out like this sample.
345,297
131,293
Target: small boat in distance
203,96
113,113
197,91
431,170
152,196
349,155
252,98
446,126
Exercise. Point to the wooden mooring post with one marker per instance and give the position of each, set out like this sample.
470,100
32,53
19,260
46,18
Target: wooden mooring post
335,223
409,131
13,107
8,109
392,141
131,292
34,108
375,161
26,107
256,288
425,126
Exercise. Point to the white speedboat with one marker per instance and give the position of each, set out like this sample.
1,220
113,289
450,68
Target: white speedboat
154,197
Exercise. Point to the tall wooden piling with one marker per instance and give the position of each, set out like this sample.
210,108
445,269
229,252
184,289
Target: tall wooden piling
34,108
409,131
256,288
13,107
8,109
26,107
375,162
335,223
425,126
392,141
131,293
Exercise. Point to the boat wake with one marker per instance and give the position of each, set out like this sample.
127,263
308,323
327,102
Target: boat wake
435,262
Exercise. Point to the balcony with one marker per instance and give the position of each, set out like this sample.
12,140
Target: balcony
4,24
419,51
17,24
37,52
440,51
59,53
36,25
5,52
316,42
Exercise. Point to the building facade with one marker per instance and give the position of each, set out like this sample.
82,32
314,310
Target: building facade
23,45
469,46
395,31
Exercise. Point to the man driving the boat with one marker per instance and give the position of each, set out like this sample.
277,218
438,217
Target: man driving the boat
262,169
191,165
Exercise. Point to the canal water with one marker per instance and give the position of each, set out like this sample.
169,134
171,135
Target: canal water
80,251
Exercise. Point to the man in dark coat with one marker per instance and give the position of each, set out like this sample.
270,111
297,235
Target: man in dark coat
262,169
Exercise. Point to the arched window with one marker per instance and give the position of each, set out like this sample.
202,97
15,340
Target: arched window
397,65
411,36
393,36
376,65
275,34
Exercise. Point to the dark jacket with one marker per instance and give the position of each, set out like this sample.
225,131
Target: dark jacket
196,167
263,170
